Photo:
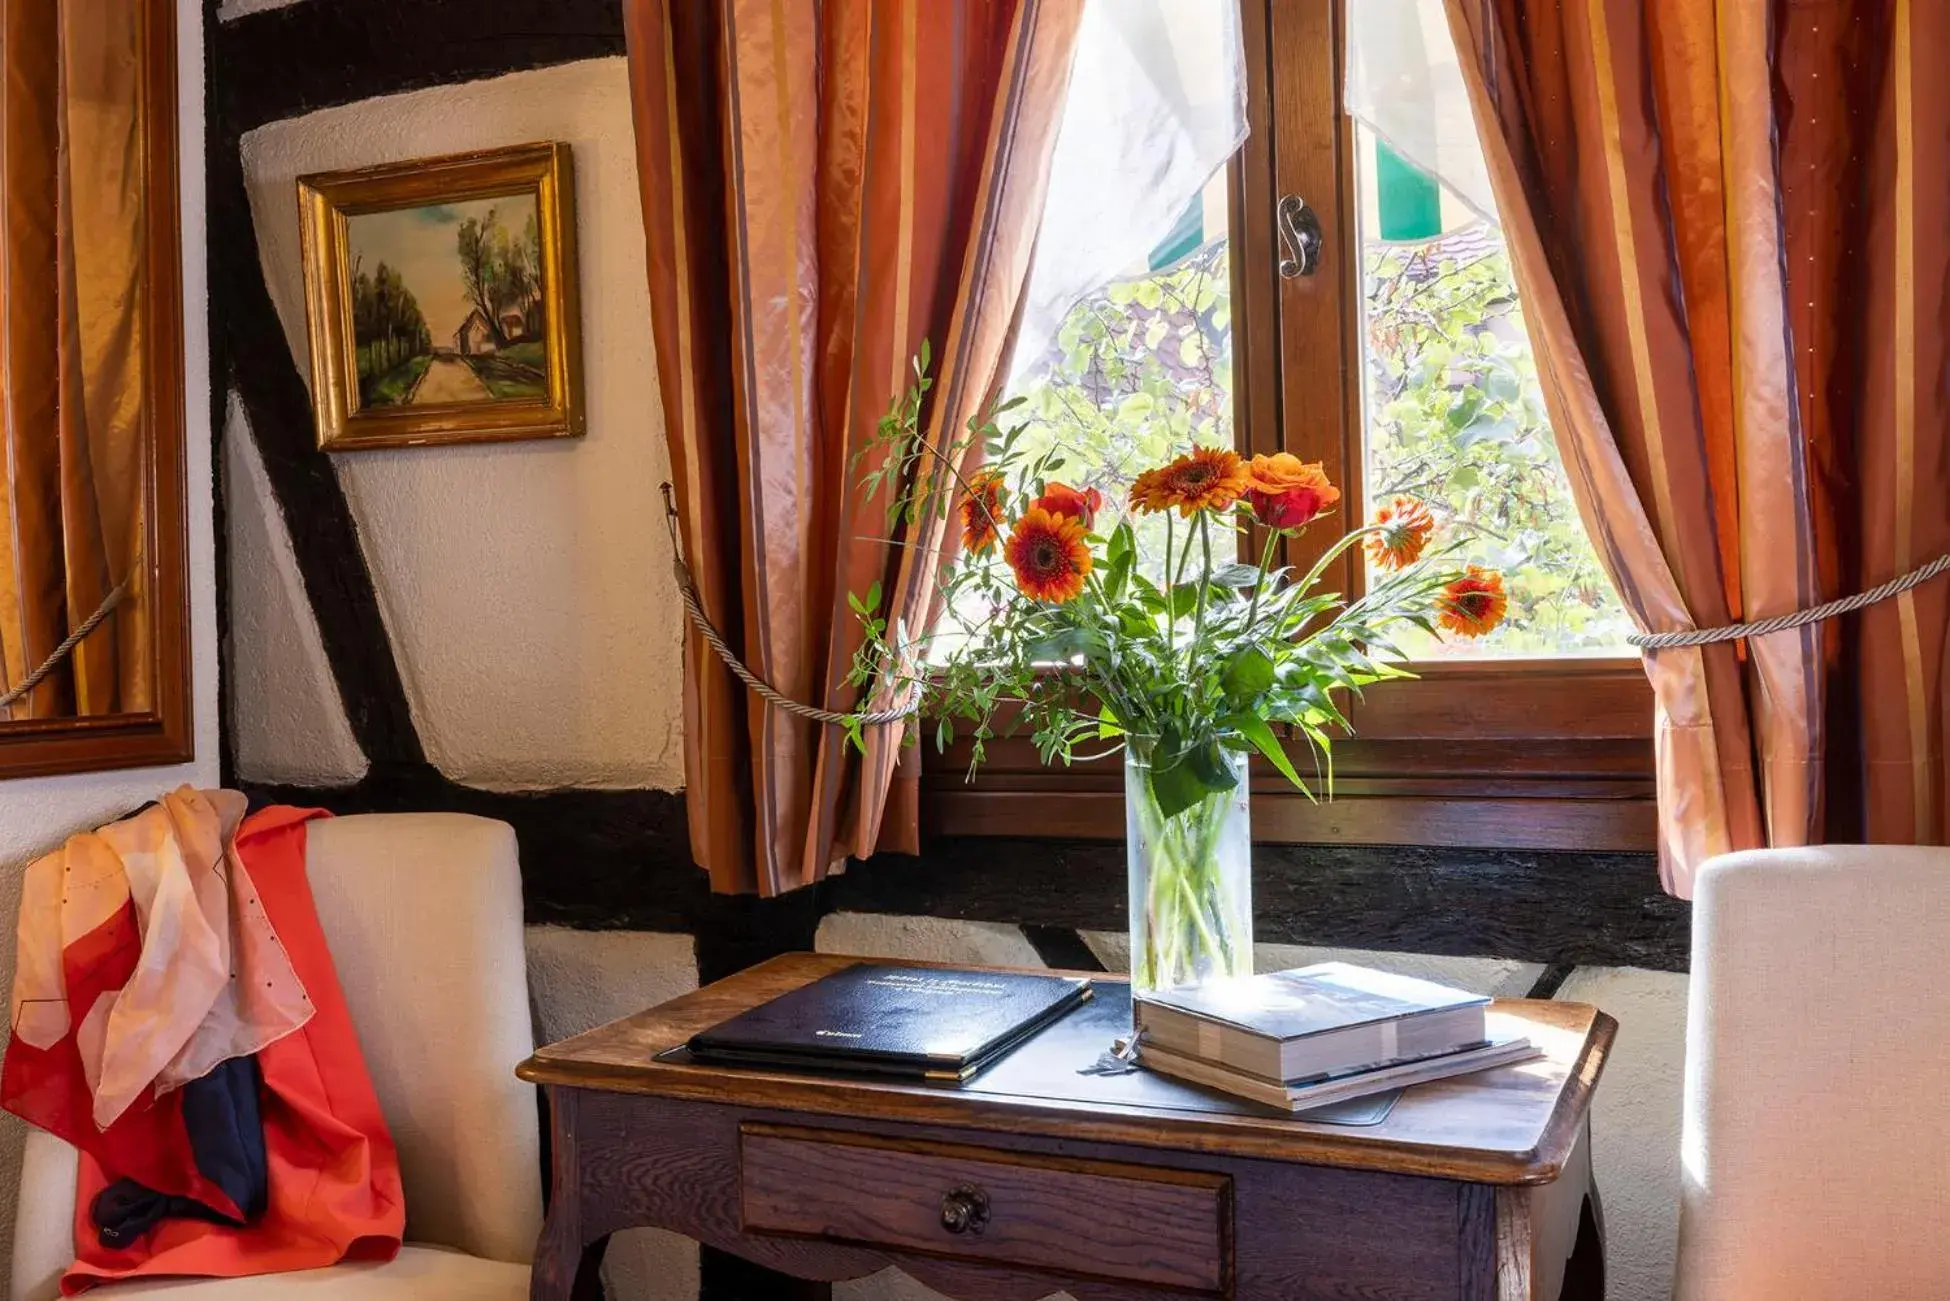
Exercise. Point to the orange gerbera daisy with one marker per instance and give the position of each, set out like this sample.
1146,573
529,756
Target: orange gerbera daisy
981,509
1211,478
1474,603
1288,493
1062,499
1049,555
1405,525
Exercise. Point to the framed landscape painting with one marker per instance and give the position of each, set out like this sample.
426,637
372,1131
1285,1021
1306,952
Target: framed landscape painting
441,299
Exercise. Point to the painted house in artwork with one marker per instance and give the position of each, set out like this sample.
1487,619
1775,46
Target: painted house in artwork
475,337
514,325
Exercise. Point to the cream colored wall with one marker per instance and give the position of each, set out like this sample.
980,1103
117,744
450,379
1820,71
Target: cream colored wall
525,586
282,689
37,814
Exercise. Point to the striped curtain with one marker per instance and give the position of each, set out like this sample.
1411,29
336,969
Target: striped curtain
1730,221
72,475
825,184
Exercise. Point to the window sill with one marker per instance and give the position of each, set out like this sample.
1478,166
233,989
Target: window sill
1538,755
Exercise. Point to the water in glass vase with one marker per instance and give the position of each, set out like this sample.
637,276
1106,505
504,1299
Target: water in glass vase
1190,879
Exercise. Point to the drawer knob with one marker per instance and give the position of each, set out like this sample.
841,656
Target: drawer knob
965,1209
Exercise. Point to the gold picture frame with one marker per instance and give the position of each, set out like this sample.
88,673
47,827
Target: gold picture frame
407,350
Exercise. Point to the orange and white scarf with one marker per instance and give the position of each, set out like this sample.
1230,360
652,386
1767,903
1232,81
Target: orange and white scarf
212,981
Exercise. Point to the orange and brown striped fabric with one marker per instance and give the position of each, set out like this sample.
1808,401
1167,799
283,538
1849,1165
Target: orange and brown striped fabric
72,474
825,183
1730,221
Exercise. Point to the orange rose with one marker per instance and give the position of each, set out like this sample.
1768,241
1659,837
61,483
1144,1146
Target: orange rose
1287,493
1061,499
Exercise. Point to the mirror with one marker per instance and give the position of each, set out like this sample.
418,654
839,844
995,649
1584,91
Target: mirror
94,635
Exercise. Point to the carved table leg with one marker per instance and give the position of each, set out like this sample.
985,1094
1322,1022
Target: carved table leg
568,1263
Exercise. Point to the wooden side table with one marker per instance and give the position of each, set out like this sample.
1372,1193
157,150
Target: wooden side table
1037,1179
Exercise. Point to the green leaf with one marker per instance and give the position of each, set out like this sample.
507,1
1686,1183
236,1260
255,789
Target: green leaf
1236,575
1182,778
1123,542
1209,762
1249,674
1255,729
1117,575
1175,789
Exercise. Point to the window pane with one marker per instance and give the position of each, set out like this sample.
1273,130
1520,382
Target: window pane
1454,415
1136,373
1142,370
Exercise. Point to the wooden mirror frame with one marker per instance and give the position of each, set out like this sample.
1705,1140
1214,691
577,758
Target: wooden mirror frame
164,734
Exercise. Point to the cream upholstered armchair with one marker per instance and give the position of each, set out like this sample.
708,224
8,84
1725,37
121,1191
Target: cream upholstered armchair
1815,1162
423,913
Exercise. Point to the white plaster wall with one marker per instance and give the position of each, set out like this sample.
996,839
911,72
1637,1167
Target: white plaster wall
38,813
284,687
525,586
1635,1123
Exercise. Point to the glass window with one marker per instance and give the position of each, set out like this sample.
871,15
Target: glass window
1453,414
1142,369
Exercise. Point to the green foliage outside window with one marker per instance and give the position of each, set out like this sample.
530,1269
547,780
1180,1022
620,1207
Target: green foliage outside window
1456,418
1137,374
1143,371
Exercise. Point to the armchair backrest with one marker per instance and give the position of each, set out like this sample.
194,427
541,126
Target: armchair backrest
1815,1159
423,913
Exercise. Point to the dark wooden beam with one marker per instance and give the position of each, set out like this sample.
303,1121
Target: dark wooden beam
1542,907
1551,979
280,63
621,860
305,486
602,860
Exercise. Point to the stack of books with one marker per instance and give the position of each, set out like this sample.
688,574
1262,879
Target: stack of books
1317,1035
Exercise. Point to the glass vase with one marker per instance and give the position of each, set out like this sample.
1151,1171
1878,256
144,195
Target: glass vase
1191,885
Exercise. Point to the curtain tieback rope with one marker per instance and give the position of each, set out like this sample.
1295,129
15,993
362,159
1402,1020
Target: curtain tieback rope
1781,622
694,606
115,597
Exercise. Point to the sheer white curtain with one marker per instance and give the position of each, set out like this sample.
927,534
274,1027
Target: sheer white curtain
1403,83
1157,105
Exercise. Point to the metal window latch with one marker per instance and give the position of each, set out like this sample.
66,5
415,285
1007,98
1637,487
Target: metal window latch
1300,237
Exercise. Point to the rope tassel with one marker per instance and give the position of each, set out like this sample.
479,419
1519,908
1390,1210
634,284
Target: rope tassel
1800,618
694,606
73,639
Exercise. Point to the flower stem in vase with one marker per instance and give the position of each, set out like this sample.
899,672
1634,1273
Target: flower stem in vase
1191,899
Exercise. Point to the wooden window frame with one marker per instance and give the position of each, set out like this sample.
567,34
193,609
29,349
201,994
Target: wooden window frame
1523,754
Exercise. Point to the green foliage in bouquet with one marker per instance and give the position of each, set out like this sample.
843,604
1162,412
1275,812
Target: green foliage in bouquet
1054,625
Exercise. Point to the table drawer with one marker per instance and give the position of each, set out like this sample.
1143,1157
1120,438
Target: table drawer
1135,1223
